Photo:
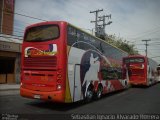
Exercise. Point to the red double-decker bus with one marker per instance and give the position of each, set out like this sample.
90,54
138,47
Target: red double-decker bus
63,63
158,72
141,70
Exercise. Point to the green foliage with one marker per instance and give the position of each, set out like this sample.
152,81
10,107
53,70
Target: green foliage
122,44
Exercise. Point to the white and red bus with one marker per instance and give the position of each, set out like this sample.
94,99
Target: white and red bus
158,72
141,70
63,63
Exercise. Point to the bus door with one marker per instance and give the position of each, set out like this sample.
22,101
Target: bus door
77,84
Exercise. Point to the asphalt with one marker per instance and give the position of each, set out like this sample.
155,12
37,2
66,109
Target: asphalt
135,101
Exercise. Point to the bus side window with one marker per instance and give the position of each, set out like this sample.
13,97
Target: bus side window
109,73
119,73
72,36
84,46
101,48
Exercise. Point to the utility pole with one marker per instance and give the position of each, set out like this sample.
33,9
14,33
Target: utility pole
96,20
103,18
146,44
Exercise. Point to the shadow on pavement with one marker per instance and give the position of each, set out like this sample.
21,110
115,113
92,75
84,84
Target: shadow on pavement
68,106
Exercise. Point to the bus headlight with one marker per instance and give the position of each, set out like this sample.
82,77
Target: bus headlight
142,66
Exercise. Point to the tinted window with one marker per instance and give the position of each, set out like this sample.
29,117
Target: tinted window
111,73
71,36
134,60
75,35
42,33
111,52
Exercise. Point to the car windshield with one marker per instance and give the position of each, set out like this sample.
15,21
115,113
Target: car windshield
42,33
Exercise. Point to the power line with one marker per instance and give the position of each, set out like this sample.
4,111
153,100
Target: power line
10,29
150,49
155,45
146,44
139,44
155,38
158,43
15,32
24,15
137,38
155,56
15,13
146,32
154,42
11,36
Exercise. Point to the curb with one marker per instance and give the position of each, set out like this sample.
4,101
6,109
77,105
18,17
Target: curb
9,87
1,90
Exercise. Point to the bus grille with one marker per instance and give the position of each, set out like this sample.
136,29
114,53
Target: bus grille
40,62
137,72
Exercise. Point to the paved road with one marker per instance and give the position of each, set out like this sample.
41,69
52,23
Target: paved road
132,101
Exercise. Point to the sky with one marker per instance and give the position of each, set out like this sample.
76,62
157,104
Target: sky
133,20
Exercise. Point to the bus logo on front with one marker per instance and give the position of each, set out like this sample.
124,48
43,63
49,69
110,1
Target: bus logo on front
35,52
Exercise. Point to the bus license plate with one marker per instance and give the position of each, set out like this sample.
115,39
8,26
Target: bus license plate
37,96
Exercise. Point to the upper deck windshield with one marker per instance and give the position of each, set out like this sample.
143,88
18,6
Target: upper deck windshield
42,33
134,60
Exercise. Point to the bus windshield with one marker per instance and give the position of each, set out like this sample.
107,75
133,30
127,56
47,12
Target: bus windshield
42,33
134,60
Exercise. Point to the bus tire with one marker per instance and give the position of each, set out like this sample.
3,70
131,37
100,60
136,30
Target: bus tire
89,94
127,85
99,92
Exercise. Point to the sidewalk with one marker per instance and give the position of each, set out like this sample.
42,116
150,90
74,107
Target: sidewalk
9,89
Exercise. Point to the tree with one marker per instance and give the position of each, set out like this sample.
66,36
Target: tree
122,44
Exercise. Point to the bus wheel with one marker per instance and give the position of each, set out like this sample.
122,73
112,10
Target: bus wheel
127,85
99,92
89,94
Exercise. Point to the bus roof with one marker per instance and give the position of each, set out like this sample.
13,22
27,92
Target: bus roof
55,22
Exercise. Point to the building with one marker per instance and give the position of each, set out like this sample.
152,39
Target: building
6,16
10,47
10,53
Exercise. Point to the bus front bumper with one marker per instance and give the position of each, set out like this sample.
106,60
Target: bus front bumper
138,83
